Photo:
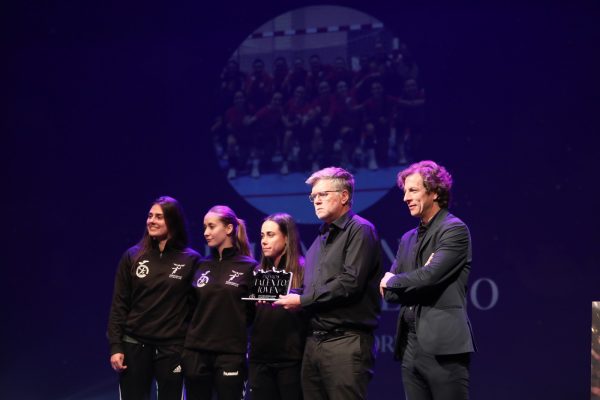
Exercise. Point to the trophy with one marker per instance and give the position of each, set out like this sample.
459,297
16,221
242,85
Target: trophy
268,285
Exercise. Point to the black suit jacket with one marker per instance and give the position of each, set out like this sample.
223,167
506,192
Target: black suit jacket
436,286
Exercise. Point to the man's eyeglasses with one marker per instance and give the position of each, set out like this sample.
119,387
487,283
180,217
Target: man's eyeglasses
320,195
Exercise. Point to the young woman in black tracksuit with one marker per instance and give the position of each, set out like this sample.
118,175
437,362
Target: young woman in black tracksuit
151,305
278,335
214,358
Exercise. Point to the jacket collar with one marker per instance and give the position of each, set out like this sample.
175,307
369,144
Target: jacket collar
168,245
280,266
430,227
433,221
228,252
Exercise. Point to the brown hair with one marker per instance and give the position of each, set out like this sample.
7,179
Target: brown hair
436,179
239,237
294,262
176,226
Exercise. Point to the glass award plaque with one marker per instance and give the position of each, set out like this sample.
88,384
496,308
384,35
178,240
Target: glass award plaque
268,285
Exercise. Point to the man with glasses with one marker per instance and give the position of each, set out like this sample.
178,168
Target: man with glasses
341,283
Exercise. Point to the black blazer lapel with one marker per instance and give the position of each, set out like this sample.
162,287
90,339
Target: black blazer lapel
431,231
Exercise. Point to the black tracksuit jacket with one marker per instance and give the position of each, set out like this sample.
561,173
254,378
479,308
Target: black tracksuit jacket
152,296
220,319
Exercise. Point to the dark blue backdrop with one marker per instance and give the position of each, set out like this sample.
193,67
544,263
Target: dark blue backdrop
107,106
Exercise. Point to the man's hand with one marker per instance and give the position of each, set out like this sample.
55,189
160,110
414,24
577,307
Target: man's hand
289,302
116,361
383,283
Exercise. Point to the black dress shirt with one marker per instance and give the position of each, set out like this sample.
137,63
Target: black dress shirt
342,273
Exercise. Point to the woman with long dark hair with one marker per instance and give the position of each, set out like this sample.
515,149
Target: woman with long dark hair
278,335
151,303
214,359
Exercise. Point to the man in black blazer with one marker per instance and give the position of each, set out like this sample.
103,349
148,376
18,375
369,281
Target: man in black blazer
429,279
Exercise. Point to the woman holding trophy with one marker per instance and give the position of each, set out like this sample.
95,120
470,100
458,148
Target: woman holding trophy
278,335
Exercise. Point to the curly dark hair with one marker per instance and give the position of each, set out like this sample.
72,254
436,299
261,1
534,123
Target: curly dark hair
436,179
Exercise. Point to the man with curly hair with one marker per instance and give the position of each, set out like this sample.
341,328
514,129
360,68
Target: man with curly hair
429,279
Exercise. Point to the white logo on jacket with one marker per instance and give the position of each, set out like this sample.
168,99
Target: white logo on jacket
203,280
234,275
142,269
176,268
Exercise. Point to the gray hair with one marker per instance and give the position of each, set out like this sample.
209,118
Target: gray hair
342,179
